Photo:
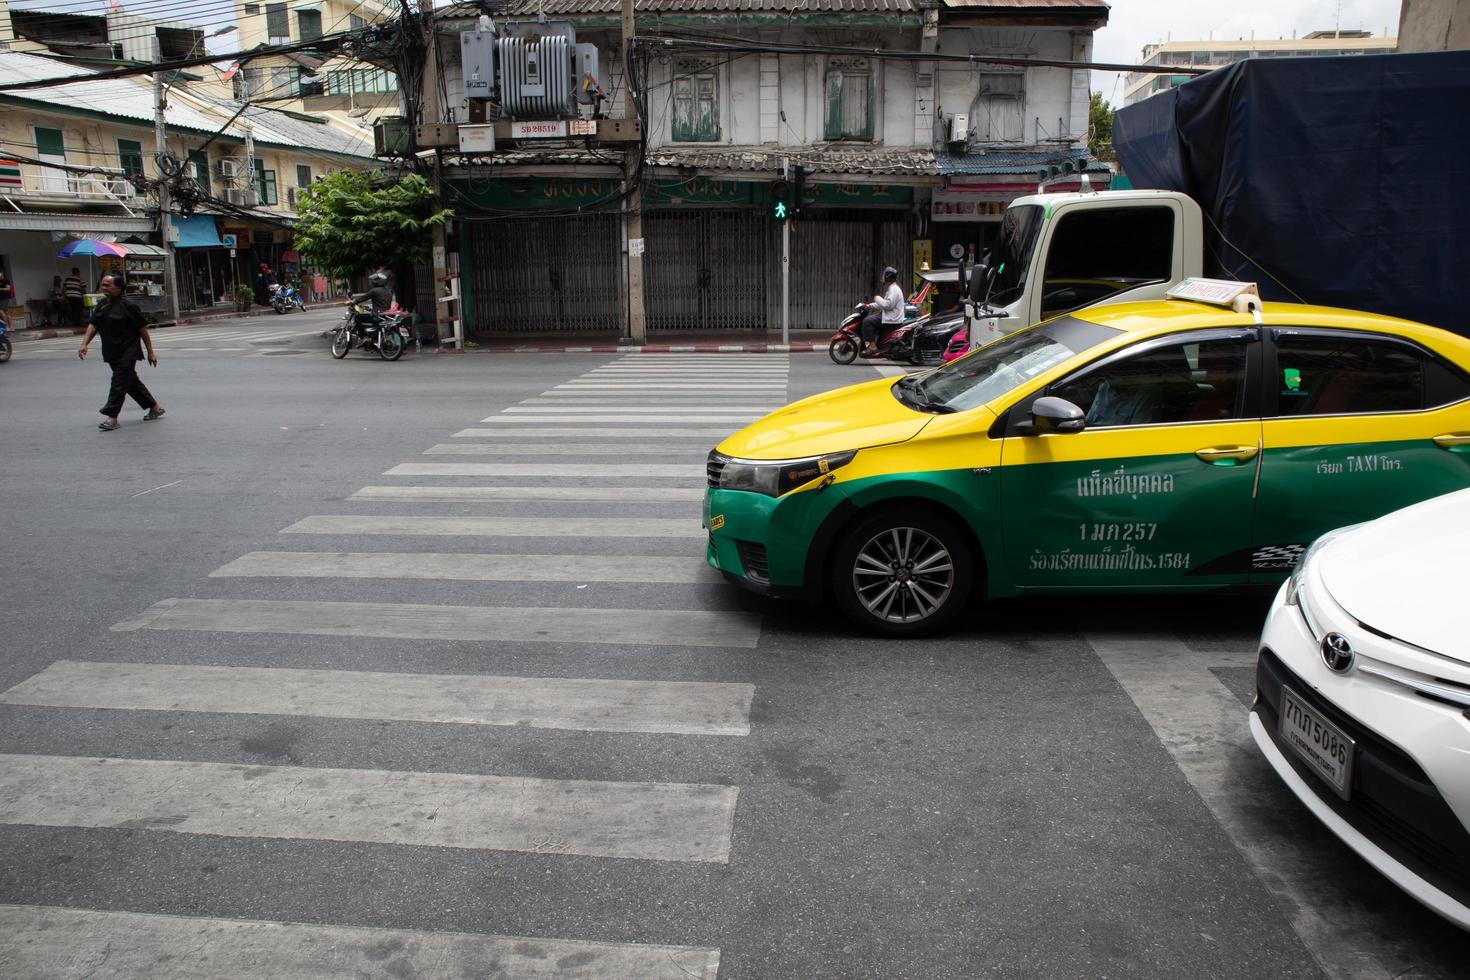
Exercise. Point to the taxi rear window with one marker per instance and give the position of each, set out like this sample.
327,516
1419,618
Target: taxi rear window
1010,362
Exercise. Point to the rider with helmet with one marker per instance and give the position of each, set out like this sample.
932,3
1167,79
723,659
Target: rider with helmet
378,292
886,309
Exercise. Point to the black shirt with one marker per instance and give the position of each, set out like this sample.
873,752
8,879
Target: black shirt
118,323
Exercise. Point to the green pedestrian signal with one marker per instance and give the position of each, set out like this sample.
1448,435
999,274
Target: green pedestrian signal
780,200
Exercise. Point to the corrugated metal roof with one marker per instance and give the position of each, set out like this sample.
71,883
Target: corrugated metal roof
520,8
1030,4
1011,161
132,99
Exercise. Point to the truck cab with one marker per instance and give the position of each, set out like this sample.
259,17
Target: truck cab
1063,252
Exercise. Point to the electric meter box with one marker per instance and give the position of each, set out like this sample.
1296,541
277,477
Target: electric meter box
477,56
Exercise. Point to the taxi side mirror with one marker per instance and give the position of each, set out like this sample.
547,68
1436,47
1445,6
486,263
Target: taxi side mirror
1053,414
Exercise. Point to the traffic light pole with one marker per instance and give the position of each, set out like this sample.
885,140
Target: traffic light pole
633,207
785,266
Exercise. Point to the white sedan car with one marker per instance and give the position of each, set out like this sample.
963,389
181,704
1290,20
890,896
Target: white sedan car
1363,694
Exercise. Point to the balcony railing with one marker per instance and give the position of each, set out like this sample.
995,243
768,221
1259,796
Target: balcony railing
54,182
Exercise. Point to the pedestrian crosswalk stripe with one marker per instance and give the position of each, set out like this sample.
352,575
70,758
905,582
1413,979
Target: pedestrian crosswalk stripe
543,494
698,448
616,416
693,410
454,566
667,432
570,704
43,943
484,624
651,821
511,527
669,386
682,470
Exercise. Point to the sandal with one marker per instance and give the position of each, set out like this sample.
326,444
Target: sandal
153,413
107,425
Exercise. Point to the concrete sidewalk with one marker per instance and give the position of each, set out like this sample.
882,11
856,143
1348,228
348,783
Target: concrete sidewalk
185,320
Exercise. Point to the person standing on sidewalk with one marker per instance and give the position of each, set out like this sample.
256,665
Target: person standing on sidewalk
73,289
122,328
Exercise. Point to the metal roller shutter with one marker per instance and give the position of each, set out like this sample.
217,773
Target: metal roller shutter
544,275
706,270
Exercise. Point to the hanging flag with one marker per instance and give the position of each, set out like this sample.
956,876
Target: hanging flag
232,70
113,7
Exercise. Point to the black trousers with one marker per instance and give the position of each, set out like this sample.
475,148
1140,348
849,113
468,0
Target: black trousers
872,324
125,382
74,307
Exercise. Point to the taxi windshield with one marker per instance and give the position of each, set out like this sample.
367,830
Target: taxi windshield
997,368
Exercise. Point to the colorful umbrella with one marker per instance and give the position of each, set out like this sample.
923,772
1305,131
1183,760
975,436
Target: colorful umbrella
88,246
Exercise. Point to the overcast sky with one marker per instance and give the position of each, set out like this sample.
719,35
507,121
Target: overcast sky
1134,23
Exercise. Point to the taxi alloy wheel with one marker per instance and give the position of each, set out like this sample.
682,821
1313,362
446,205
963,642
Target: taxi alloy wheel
903,575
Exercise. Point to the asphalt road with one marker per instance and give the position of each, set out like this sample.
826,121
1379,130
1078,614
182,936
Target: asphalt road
262,714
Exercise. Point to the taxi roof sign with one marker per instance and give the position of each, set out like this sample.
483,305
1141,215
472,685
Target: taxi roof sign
1218,292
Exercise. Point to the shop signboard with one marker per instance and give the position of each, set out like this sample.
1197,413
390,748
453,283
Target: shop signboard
953,205
851,195
10,173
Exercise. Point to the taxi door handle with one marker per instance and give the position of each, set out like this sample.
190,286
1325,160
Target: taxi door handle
1455,442
1227,455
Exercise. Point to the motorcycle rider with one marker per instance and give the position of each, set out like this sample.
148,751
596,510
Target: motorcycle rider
379,296
887,309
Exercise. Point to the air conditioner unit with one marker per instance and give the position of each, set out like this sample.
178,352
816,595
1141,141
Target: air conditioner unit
229,168
959,127
235,195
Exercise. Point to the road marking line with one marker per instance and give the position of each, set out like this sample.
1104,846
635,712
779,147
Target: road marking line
697,450
667,386
510,527
692,411
650,821
164,487
484,624
62,944
1206,730
680,470
585,432
567,494
570,704
621,569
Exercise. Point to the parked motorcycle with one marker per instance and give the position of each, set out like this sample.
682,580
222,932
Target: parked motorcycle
922,341
285,297
4,343
386,333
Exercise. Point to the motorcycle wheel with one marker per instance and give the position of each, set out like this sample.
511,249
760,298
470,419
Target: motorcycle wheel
843,350
4,349
278,306
341,343
390,345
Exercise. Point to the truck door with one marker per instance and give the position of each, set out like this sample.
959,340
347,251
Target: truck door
1093,253
1363,424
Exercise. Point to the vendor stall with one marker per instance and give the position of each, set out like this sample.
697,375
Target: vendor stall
143,266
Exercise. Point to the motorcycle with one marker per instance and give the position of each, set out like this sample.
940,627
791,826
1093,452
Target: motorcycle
285,297
4,343
386,333
922,341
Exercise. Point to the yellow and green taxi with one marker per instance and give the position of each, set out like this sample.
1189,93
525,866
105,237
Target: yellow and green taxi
1150,446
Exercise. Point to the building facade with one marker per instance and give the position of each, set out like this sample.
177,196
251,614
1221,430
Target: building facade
904,155
77,161
1215,54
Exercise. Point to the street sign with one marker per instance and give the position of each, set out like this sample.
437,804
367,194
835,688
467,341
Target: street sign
229,241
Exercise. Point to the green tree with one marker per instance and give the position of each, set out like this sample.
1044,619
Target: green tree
356,220
1100,127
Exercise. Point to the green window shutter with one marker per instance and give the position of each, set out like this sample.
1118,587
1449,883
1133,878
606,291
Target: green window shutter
683,125
130,156
303,175
270,187
309,23
706,108
833,129
696,101
48,142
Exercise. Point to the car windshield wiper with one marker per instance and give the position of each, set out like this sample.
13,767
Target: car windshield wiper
913,394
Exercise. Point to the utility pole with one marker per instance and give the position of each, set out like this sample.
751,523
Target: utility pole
252,192
637,315
786,263
446,291
165,218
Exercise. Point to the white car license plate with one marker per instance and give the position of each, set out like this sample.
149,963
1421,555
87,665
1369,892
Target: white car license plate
1319,743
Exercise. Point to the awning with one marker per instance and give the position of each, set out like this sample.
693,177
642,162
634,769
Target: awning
198,231
90,225
142,249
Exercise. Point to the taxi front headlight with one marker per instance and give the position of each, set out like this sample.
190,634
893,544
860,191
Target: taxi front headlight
777,476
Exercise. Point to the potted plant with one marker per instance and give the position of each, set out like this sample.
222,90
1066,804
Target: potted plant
244,296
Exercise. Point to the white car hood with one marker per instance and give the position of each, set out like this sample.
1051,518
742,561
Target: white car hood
1407,574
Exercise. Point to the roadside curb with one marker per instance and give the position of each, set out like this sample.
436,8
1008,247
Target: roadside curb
652,349
49,333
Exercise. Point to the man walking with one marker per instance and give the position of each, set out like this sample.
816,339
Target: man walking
120,323
73,289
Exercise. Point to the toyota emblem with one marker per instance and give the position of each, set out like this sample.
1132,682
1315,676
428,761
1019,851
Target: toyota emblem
1337,653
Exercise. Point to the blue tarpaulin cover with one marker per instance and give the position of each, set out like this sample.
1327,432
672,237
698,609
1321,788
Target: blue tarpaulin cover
198,231
1343,180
